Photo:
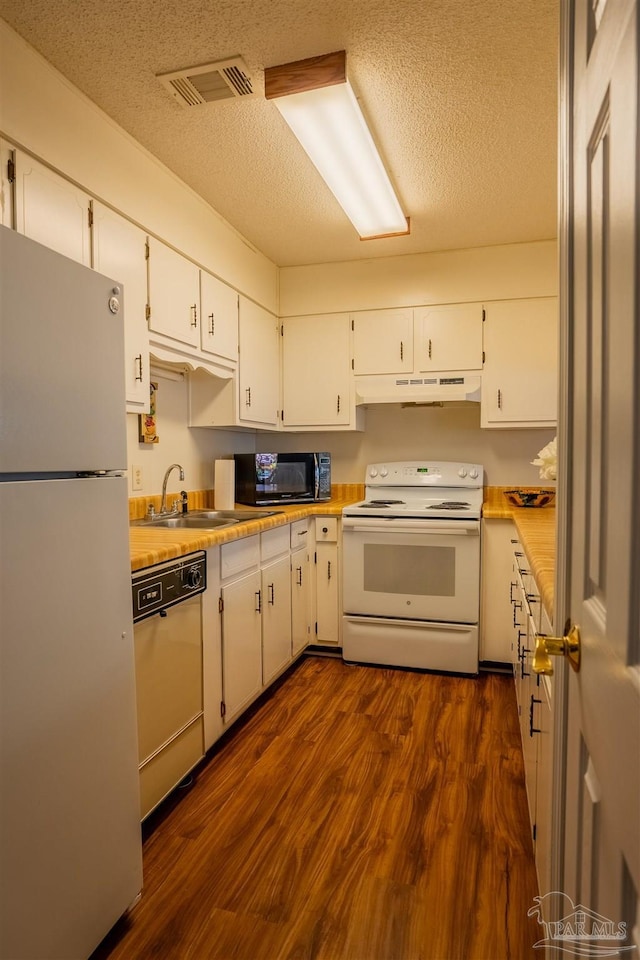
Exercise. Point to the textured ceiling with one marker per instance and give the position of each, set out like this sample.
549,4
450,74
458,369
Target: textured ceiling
460,96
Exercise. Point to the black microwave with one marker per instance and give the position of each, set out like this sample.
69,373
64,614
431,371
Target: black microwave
264,479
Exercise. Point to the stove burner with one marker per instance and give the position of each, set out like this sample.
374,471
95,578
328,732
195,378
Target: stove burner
450,505
379,503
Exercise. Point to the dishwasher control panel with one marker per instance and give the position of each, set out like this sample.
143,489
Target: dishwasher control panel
165,584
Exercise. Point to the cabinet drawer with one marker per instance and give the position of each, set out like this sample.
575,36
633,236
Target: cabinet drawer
326,529
239,555
273,543
299,534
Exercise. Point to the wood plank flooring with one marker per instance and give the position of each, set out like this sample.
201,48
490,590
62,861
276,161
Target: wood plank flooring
360,813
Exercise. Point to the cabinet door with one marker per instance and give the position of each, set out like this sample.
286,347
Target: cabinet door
119,252
382,341
520,378
276,618
258,377
219,321
300,600
174,294
241,643
316,374
449,337
496,620
327,595
543,722
51,210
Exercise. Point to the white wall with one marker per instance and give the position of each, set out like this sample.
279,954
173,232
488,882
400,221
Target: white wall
505,272
46,115
194,449
415,433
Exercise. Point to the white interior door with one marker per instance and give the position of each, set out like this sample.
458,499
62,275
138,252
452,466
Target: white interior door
599,555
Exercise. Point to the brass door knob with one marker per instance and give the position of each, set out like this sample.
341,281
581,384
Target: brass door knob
547,647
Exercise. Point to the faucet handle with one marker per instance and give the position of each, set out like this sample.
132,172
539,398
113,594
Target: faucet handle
151,512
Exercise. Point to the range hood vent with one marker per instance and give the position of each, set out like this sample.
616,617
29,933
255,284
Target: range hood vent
451,388
195,86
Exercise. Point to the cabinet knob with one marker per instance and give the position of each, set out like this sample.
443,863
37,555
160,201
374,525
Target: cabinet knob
325,529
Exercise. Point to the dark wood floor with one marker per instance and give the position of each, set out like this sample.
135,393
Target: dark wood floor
360,813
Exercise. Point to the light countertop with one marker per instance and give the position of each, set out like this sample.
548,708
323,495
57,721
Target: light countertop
536,529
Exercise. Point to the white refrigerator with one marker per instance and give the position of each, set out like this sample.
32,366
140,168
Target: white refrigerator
70,842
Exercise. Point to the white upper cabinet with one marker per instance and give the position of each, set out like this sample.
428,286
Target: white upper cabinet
119,251
219,320
51,210
316,390
520,379
174,294
382,341
259,368
448,337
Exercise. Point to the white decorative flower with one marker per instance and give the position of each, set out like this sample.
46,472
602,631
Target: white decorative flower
547,460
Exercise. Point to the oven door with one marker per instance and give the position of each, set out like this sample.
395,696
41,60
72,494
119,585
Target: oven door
412,569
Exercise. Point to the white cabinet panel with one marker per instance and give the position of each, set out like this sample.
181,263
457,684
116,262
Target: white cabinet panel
219,321
449,337
327,593
241,643
276,618
383,341
174,294
520,378
119,252
258,377
496,616
51,210
316,379
300,600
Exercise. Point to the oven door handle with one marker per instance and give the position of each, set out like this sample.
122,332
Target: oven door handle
463,528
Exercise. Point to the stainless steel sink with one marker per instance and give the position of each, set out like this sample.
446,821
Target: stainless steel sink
191,523
238,515
207,519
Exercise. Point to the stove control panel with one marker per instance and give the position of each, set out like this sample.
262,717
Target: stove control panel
416,473
163,585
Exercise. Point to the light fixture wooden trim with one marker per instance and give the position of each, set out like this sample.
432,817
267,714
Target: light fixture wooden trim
303,75
382,236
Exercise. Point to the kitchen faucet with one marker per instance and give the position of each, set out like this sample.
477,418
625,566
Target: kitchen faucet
163,502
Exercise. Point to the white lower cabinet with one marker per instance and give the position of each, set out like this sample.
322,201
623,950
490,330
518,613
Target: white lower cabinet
257,614
240,602
300,586
275,603
534,695
496,632
327,581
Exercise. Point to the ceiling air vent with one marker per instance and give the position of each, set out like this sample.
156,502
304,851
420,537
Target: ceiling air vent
193,86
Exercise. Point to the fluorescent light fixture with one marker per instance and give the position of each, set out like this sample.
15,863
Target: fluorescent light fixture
317,102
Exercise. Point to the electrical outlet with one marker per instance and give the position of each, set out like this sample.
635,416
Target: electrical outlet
136,478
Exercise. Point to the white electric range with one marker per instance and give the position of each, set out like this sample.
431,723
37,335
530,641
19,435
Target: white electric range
411,566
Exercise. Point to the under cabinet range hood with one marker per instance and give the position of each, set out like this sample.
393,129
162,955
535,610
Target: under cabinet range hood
419,391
